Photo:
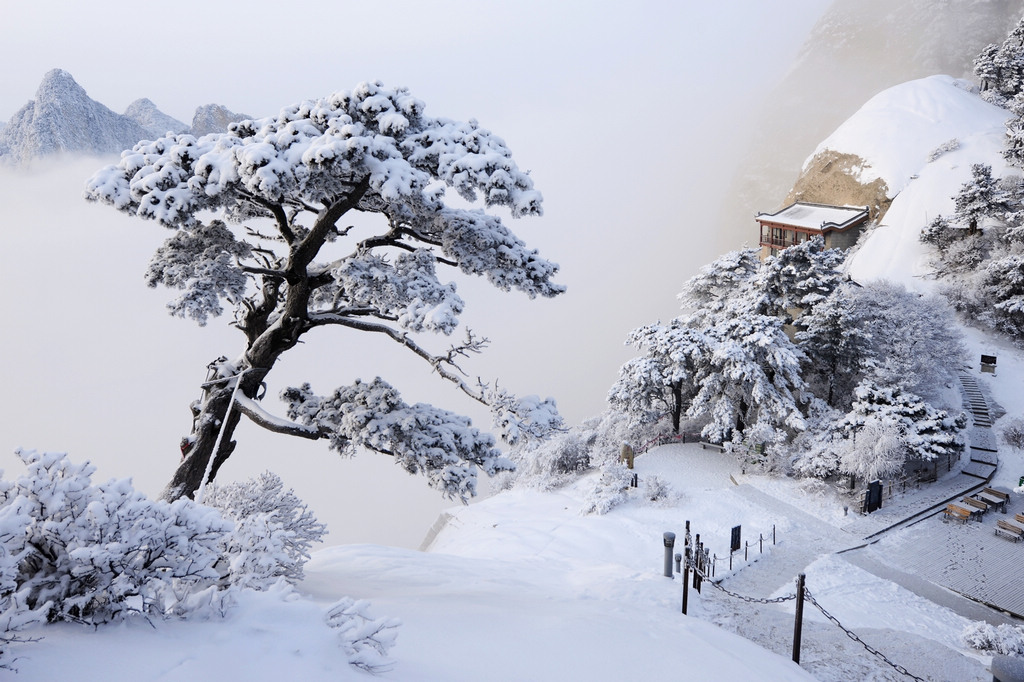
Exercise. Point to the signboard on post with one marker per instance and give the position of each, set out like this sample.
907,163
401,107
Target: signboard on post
873,500
734,544
988,364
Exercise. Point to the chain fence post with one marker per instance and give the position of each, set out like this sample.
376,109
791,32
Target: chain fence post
686,565
798,623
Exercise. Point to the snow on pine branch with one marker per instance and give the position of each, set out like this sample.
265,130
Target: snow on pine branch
422,438
520,419
201,261
315,150
405,288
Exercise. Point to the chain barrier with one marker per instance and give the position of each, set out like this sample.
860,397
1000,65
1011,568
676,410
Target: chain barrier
807,594
751,600
896,666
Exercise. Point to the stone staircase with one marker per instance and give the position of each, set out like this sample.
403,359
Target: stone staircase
984,456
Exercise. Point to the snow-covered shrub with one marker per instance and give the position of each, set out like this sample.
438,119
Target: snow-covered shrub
656,489
274,530
877,450
563,457
611,489
1004,639
965,255
72,550
94,553
947,146
1012,432
965,298
366,640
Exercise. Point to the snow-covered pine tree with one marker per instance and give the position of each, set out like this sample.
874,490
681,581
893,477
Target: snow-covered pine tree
1002,287
798,278
1000,68
707,293
257,217
980,198
662,381
749,378
924,432
837,344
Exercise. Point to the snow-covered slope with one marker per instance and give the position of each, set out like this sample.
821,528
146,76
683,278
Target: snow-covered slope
900,135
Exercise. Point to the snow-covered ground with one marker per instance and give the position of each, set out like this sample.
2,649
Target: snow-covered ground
522,586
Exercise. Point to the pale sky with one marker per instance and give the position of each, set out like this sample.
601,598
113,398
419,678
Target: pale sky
630,117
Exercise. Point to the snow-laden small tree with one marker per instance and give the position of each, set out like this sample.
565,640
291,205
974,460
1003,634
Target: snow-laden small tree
876,450
264,512
981,198
261,224
924,432
94,553
663,380
798,279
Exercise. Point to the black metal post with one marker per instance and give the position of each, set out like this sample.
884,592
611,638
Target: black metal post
696,562
670,542
686,577
798,624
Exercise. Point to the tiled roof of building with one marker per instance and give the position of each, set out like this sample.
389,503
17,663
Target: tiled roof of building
817,216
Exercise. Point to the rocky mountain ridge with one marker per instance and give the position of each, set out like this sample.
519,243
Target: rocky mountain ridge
64,119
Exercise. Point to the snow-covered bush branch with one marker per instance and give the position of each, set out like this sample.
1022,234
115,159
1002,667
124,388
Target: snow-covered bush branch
72,550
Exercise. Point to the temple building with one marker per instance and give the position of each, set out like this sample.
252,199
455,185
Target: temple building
798,222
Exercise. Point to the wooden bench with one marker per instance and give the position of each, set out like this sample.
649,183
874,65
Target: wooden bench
995,497
997,493
978,507
1019,518
1009,530
957,512
714,446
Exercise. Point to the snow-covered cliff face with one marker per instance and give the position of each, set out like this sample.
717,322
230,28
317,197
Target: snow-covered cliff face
913,147
155,122
63,118
857,49
214,118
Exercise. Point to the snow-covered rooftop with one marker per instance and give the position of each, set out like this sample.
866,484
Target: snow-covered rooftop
817,216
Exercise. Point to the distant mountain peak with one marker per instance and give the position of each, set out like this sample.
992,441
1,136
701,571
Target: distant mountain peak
58,82
63,118
156,123
214,118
